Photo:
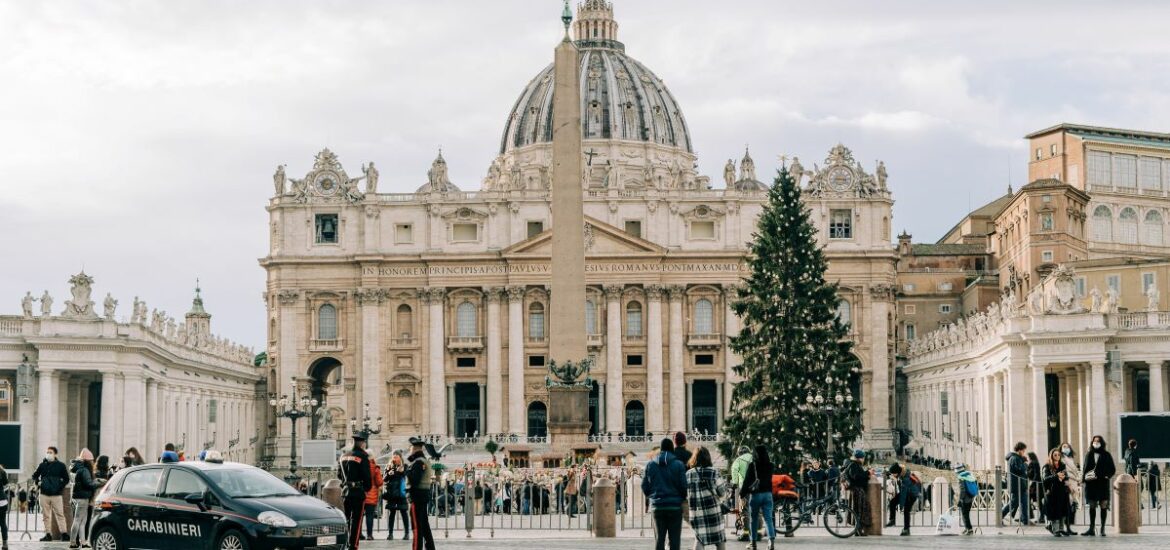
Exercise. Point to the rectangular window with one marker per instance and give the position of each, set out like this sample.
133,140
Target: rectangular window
911,309
326,228
1080,287
705,359
1046,223
702,230
1113,282
634,227
633,360
1052,149
465,362
911,332
943,404
212,408
908,287
1125,171
1046,256
1148,282
946,287
465,232
535,228
536,360
1039,153
403,233
3,395
840,224
944,308
1099,169
1151,173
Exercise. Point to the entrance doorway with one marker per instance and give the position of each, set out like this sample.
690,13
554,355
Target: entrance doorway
705,406
466,409
93,427
537,419
594,409
635,419
326,374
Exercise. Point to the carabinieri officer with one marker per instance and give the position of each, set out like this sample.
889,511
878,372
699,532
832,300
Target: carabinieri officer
354,472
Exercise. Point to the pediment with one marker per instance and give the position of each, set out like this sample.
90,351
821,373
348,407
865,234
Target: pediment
601,239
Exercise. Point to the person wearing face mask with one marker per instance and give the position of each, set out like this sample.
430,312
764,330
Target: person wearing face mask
1098,471
52,476
1072,480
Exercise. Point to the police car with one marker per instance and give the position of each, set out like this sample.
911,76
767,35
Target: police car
214,506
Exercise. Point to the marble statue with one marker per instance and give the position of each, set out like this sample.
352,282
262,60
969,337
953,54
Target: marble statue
647,176
1009,305
569,373
881,175
515,182
142,313
1036,303
1110,301
1095,300
1152,298
108,306
26,304
278,180
675,174
81,305
797,170
493,177
607,176
171,328
324,423
46,304
437,175
371,177
729,173
300,189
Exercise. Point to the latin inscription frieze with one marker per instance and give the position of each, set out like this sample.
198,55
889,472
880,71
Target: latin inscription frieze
521,269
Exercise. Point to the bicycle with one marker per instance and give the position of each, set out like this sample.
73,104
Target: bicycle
836,513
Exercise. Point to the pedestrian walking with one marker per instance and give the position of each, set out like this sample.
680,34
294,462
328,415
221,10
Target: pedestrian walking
1017,483
572,487
84,486
1098,470
705,492
354,473
968,490
856,478
5,501
1133,461
665,484
1055,500
1154,485
739,469
372,497
1035,488
909,491
681,452
1072,480
51,476
419,479
394,493
757,490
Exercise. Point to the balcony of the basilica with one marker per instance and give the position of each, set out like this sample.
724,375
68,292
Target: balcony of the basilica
704,341
595,341
404,342
331,344
465,344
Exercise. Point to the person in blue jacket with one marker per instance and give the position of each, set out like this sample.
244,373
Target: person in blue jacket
909,491
666,484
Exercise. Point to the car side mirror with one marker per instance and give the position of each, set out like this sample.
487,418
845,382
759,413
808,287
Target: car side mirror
197,499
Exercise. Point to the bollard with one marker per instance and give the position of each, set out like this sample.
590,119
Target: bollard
997,497
874,496
1128,511
940,496
604,508
331,493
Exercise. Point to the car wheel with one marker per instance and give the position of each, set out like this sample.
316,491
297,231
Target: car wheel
232,540
105,539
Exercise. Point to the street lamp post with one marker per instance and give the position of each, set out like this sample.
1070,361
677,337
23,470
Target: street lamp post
293,409
829,409
368,425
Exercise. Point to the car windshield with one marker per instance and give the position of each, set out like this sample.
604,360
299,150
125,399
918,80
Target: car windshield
250,483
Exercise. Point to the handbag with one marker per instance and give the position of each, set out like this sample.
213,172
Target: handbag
1092,475
724,508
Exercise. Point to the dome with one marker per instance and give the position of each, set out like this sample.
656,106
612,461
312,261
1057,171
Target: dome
620,98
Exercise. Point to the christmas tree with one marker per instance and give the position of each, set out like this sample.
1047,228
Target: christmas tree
794,347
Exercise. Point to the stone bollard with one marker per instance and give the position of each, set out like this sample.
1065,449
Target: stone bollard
1128,511
331,493
940,496
604,508
875,497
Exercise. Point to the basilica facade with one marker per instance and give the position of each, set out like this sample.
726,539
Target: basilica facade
432,307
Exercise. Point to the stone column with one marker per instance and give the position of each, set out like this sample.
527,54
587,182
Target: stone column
1066,424
1099,420
1020,415
373,384
516,401
1039,409
71,416
877,402
996,421
730,358
615,403
690,415
111,440
654,405
482,407
1157,387
450,412
678,396
152,419
494,423
436,363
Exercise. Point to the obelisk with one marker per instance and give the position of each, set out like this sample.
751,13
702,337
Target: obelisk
569,406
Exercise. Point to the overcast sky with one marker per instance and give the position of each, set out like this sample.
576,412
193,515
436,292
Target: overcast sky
138,139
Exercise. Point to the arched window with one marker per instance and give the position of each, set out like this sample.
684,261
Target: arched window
634,319
404,321
327,322
590,317
536,321
1102,224
845,312
1153,228
1127,226
703,315
465,326
635,419
537,419
404,407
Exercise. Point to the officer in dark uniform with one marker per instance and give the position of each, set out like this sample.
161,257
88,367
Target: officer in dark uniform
418,486
354,472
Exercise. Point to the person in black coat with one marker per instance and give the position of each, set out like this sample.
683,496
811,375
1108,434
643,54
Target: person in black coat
84,487
6,498
1154,485
1133,461
354,473
1017,483
1056,503
1035,490
1098,471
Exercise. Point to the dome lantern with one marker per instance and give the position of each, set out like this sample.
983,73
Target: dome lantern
595,23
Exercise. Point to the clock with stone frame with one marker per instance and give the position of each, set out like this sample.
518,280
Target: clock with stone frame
326,184
840,179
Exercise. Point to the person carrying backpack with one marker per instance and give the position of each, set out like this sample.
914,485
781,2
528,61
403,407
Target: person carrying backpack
968,490
909,491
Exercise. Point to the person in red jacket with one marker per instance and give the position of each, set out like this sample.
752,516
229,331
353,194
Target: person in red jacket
372,498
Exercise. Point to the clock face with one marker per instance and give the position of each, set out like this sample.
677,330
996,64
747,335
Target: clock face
840,179
326,184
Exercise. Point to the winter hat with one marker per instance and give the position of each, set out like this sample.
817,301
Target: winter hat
960,467
858,453
85,455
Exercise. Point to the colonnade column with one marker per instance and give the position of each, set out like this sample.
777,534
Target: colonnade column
654,404
730,358
1064,395
110,438
998,420
436,362
516,419
373,383
47,381
1100,407
152,417
678,397
495,377
449,414
615,402
1039,408
482,407
1157,387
